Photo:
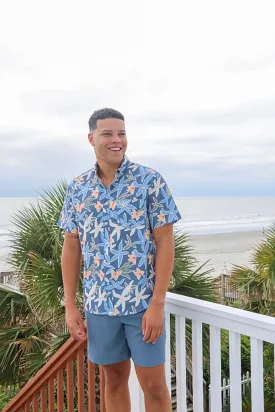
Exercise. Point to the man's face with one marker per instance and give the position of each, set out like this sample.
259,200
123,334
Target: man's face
109,140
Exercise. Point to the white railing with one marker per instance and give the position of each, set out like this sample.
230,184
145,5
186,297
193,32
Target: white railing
225,390
238,322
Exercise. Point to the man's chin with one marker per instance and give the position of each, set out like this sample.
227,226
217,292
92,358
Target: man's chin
116,157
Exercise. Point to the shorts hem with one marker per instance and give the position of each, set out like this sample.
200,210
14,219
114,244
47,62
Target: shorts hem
104,363
147,365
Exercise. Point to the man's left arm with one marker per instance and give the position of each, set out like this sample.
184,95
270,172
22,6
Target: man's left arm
153,320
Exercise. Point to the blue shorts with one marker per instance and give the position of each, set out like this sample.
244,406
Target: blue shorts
113,339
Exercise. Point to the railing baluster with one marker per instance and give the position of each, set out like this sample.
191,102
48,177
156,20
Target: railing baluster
35,402
257,385
168,352
102,390
91,386
27,407
51,395
80,379
60,390
181,364
235,372
197,355
215,368
70,385
43,399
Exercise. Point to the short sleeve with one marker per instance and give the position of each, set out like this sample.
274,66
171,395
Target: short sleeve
67,218
162,207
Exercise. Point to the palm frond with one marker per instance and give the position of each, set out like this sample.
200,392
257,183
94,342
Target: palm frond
15,344
44,287
14,307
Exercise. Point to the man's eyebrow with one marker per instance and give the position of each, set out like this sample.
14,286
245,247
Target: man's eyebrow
111,131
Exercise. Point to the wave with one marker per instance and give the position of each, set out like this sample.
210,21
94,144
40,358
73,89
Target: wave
236,224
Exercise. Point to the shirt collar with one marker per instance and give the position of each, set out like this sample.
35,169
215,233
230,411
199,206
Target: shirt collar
124,164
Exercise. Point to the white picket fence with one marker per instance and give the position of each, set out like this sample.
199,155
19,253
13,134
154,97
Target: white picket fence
225,389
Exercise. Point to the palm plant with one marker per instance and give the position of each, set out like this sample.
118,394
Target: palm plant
33,318
257,283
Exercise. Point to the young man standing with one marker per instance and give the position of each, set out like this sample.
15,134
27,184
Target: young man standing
119,218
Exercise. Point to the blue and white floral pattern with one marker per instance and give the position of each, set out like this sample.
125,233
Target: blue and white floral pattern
115,227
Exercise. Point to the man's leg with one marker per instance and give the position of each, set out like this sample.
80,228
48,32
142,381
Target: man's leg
117,396
153,383
107,346
149,361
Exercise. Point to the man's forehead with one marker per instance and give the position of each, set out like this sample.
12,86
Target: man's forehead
110,124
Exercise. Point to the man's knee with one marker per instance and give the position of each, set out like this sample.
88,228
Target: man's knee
155,389
117,375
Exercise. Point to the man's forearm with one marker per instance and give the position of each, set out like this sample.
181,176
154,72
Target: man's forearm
164,268
71,262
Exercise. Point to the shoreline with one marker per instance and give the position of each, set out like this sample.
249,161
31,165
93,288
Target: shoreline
225,249
222,249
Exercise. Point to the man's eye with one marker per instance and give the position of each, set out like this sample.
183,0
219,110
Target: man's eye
107,134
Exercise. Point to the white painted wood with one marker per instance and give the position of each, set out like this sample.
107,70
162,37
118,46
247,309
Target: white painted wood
241,321
237,322
257,385
168,352
235,372
215,369
197,364
181,364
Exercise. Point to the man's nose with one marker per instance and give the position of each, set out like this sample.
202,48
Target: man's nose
116,138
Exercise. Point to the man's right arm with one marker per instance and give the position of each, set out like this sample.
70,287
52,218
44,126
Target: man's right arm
71,264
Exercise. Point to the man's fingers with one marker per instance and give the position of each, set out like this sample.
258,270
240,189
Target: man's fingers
151,338
74,332
82,330
143,325
159,333
77,330
147,333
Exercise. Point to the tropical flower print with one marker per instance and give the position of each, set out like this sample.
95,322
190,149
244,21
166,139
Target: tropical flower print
131,188
115,227
101,275
132,258
161,217
113,204
139,273
98,206
97,260
116,274
95,193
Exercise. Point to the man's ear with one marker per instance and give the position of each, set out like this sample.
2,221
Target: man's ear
91,138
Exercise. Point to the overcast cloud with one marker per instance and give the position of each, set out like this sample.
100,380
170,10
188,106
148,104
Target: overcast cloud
195,81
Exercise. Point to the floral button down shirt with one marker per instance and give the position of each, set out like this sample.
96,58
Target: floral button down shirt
115,227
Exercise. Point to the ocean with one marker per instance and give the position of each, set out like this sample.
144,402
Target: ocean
208,220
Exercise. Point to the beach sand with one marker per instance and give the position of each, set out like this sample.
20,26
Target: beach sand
225,249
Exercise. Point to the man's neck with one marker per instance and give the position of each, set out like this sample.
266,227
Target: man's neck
106,171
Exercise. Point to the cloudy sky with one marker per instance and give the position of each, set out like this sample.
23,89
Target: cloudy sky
195,81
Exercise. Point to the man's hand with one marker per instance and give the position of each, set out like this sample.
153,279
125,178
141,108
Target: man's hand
75,323
152,323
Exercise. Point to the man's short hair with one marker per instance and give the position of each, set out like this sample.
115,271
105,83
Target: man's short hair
103,114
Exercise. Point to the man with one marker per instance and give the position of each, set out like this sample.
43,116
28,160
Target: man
119,216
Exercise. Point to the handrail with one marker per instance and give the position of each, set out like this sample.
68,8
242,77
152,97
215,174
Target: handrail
53,369
237,320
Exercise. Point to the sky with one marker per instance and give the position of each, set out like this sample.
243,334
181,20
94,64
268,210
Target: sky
194,80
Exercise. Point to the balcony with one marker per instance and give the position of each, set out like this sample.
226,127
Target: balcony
67,381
